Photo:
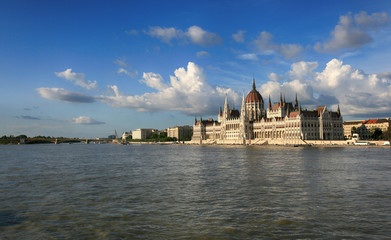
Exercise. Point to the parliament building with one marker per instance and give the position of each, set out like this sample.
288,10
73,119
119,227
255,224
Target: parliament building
280,123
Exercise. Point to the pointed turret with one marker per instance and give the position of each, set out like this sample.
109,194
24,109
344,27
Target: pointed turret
254,83
339,111
284,101
243,111
296,102
280,99
195,120
226,108
269,106
220,111
288,111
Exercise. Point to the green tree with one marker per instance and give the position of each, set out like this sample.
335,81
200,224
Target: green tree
376,133
387,135
354,130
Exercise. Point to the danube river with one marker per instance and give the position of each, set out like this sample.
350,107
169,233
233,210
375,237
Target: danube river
79,191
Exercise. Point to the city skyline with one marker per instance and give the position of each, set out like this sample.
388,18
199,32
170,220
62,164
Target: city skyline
84,69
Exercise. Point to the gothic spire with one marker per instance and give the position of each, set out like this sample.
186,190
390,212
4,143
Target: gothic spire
280,98
270,103
253,83
243,111
296,102
226,108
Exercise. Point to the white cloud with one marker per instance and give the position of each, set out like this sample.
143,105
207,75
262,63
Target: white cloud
371,22
121,62
84,120
154,80
126,72
194,34
239,36
124,68
266,46
187,92
275,77
201,37
248,56
290,50
164,34
77,78
302,70
63,95
356,92
202,54
353,32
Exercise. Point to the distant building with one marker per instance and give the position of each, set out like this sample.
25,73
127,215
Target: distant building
143,133
281,122
125,135
364,128
111,137
180,132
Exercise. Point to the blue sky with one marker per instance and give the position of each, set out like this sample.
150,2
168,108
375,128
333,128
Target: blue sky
86,68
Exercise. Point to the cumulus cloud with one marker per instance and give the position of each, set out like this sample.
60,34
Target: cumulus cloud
266,46
202,54
63,95
187,91
194,34
77,79
154,80
275,77
239,36
84,120
355,91
353,31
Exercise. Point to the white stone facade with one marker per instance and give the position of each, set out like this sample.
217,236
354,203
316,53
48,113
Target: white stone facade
283,121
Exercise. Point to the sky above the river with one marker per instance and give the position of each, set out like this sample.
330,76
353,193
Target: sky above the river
88,68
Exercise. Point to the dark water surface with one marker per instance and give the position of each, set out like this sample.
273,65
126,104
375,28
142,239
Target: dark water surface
198,192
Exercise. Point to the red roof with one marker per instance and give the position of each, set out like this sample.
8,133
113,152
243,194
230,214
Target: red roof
254,96
276,106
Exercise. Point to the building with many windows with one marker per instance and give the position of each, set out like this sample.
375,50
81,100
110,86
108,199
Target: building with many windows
180,132
143,133
364,128
281,122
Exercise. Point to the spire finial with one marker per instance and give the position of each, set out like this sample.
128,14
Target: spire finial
280,98
253,83
270,103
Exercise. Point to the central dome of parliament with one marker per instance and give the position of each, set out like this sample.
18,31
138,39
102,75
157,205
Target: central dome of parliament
254,96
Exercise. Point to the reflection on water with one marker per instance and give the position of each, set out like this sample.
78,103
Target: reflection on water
202,192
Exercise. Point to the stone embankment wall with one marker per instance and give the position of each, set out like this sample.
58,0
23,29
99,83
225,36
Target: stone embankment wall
283,142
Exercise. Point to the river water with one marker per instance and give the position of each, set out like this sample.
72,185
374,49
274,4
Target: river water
79,191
